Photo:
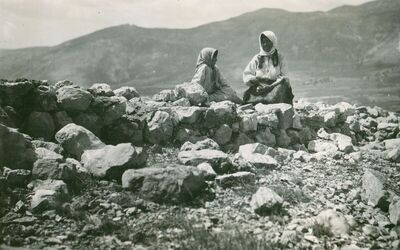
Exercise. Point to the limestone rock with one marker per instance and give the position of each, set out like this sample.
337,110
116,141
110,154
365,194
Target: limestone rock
48,194
48,145
392,143
334,221
248,122
236,179
44,99
270,119
265,201
17,177
166,95
75,139
61,119
73,99
40,125
214,157
101,89
172,184
265,136
284,112
44,153
320,145
207,170
256,155
127,92
199,145
192,91
220,113
394,211
186,115
374,190
111,161
223,134
393,155
343,142
15,150
159,128
109,108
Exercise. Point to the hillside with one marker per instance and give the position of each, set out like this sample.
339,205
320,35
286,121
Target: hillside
353,38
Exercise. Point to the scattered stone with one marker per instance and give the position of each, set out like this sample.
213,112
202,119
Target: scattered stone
265,136
166,95
75,139
48,194
172,184
265,201
343,142
111,161
48,145
61,119
394,211
374,190
334,221
392,143
236,179
393,155
207,170
44,99
248,122
371,231
199,145
320,145
109,109
256,155
214,157
15,150
183,102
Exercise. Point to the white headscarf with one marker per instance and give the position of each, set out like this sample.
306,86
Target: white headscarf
271,36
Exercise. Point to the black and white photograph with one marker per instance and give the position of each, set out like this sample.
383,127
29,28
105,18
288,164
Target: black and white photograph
199,124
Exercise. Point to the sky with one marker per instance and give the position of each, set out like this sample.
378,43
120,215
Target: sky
26,23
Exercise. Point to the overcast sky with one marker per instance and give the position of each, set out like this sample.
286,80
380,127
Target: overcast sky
48,22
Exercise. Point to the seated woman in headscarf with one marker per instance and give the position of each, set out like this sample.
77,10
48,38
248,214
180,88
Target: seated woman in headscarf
266,74
209,76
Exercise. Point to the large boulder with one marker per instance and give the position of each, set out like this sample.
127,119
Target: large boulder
215,158
255,154
73,99
192,91
40,125
53,169
160,128
127,92
111,161
284,112
16,151
101,89
265,201
75,139
172,184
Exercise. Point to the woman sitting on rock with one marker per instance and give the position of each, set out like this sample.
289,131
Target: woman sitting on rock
266,74
209,76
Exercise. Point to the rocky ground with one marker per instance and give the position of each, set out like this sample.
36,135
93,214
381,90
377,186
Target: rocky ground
175,172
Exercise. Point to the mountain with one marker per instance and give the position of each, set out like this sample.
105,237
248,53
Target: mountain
152,58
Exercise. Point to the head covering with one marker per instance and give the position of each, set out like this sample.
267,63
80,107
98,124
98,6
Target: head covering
271,36
205,57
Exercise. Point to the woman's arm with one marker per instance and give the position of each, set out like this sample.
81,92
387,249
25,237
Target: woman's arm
200,75
249,73
221,79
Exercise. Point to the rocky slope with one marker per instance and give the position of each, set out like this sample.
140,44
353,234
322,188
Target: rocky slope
103,168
